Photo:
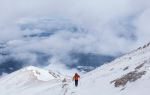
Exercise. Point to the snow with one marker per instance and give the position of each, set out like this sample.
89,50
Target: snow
32,81
41,74
98,82
35,81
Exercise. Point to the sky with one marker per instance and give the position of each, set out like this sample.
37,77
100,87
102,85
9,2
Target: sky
105,27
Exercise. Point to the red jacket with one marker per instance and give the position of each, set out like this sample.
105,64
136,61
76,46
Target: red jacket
76,77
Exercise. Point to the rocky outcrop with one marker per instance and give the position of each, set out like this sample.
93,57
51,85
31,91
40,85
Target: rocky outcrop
129,77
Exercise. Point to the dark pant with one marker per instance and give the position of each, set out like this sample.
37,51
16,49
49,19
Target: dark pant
76,83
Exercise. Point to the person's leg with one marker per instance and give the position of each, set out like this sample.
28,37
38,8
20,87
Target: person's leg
76,83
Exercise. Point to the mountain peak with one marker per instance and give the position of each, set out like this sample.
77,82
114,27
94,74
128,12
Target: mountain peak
40,74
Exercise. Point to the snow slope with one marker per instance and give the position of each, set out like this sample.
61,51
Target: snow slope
32,81
127,75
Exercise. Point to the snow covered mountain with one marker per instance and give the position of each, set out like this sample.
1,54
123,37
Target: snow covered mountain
32,81
127,75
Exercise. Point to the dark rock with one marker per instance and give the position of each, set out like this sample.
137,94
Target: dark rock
126,68
140,66
129,77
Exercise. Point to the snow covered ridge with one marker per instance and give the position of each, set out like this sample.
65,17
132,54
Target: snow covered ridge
33,81
41,74
34,74
127,75
141,58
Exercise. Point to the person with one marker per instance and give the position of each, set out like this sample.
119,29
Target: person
76,78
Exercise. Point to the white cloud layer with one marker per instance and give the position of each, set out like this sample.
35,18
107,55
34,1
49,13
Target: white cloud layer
111,27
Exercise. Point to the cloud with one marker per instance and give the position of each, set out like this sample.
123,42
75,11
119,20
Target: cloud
85,26
57,66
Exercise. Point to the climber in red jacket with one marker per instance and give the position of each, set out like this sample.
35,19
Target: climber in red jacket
76,78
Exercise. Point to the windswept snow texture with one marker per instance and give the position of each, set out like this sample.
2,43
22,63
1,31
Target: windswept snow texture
35,81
